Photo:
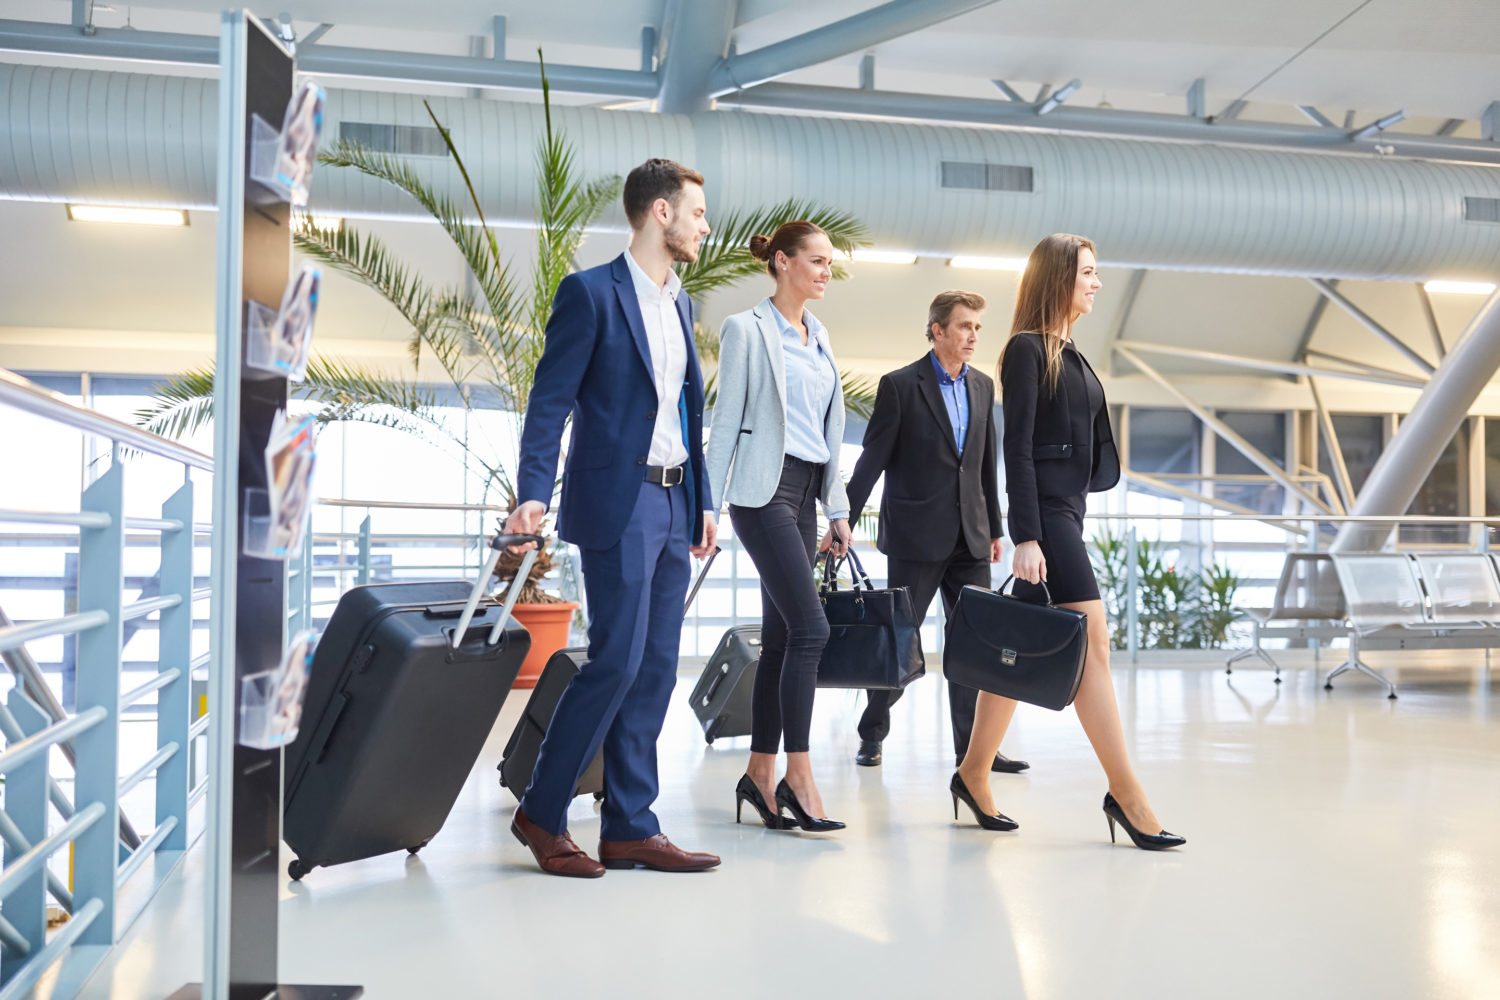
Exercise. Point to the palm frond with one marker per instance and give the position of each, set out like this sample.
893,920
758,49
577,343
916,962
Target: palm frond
859,394
725,257
181,405
477,244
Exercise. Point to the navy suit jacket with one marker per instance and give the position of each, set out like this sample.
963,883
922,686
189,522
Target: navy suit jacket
596,365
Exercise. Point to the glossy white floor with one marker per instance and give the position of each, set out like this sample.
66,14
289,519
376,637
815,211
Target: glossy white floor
1341,845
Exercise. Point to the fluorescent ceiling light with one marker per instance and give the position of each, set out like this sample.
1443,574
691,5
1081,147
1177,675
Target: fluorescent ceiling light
131,216
990,263
326,223
864,255
1460,287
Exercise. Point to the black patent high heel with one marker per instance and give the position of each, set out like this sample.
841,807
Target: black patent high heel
788,798
960,792
1145,841
746,791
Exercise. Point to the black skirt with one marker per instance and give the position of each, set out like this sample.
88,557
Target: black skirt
1070,574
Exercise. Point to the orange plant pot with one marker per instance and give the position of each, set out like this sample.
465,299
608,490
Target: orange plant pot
548,625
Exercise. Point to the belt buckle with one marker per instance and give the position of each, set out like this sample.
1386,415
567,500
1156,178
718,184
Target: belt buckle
668,479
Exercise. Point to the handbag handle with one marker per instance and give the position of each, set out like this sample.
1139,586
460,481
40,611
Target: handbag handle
1041,583
857,575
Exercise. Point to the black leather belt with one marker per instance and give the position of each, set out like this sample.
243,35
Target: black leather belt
665,475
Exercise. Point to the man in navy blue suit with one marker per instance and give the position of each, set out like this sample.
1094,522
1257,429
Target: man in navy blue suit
620,359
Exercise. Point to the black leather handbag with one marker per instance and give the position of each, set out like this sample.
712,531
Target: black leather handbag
874,639
1030,652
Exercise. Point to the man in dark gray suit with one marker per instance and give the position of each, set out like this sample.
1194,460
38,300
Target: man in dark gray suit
932,434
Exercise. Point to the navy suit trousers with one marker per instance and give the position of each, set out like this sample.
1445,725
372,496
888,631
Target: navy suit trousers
619,698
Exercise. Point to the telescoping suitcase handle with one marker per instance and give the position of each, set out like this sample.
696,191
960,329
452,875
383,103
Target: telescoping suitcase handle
702,575
498,545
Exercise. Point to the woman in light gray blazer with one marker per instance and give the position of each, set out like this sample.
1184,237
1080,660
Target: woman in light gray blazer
779,420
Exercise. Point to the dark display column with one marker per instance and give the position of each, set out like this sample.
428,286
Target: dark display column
256,78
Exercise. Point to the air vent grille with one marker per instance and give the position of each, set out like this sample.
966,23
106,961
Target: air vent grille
1482,209
986,176
402,140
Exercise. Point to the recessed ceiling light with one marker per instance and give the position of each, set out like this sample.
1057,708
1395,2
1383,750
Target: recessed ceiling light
990,263
864,255
1460,287
129,216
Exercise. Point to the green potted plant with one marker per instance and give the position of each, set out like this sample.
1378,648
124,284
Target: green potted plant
491,338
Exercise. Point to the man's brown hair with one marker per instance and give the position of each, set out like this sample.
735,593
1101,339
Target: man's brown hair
656,178
942,307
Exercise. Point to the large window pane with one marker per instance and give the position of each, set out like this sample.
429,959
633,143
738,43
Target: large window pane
1361,439
1444,494
1266,432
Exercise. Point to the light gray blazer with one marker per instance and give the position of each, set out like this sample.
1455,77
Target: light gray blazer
749,424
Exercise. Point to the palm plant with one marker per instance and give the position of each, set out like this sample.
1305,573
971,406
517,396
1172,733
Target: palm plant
488,337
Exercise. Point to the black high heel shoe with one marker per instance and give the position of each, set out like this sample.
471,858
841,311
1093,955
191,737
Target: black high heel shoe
1145,841
788,798
960,792
746,791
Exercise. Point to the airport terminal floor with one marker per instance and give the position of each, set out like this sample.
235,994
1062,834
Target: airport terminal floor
1340,845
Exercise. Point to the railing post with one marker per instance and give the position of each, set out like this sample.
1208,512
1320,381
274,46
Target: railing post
26,805
174,701
362,577
101,555
1132,591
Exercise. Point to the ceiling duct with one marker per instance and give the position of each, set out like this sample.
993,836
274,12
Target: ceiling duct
87,135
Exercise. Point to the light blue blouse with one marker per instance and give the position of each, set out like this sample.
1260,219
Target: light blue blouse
810,384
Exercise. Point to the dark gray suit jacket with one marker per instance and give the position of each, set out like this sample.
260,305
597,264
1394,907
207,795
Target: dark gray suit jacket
931,491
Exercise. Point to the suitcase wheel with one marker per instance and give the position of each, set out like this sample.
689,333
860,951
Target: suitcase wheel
708,739
418,847
296,869
598,796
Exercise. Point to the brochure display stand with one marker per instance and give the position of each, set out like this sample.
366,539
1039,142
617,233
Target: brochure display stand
262,490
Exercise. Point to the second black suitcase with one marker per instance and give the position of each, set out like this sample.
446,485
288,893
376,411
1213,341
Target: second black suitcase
519,759
721,698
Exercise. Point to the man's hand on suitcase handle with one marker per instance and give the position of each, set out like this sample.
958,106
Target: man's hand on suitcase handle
710,537
525,520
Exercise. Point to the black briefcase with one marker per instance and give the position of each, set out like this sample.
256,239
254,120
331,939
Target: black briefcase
874,640
1030,652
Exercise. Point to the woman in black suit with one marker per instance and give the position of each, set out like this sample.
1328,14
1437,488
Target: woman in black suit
1058,448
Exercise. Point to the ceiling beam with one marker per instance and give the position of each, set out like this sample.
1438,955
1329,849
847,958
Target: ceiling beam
314,37
1368,322
1378,126
697,36
1341,479
1049,104
1432,322
1315,116
329,60
1104,122
1011,94
1197,101
1236,440
841,38
1122,317
1262,364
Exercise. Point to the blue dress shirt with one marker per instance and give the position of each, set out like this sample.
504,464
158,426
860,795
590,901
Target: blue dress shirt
810,384
955,393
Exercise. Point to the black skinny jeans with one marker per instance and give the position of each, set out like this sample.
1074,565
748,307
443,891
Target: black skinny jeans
782,538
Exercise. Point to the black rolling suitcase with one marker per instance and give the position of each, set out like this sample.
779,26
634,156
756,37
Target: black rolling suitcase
525,742
721,698
405,687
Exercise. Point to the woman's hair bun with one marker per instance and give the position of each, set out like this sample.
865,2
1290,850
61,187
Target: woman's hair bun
760,247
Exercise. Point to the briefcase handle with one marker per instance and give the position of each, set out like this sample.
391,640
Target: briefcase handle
1012,579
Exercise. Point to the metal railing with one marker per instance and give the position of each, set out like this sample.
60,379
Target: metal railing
105,849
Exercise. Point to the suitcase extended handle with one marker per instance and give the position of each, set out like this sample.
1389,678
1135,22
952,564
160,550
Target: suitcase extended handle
498,545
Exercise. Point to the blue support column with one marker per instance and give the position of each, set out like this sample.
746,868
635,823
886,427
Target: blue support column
101,556
26,805
362,577
174,702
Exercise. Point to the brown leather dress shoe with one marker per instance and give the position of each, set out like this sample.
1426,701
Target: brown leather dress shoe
657,853
555,854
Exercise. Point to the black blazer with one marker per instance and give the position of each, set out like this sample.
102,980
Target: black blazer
927,484
1052,448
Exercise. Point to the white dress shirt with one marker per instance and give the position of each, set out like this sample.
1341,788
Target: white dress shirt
664,335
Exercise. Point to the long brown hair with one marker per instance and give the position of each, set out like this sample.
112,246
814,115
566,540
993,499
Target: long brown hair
1044,301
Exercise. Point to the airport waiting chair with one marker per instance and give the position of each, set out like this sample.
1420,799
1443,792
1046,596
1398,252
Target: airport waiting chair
1309,605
